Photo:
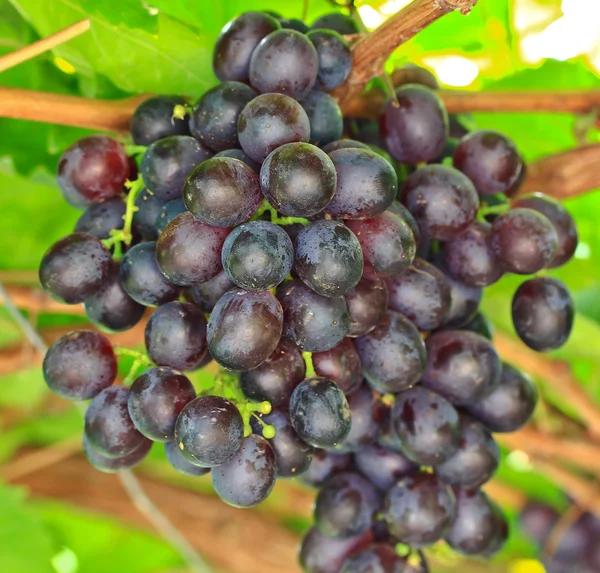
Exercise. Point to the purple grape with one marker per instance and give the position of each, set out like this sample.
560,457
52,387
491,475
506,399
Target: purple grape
325,116
543,313
340,23
366,184
276,378
537,520
284,62
242,156
79,365
215,117
298,179
382,467
248,477
481,325
346,506
113,465
168,212
393,355
344,144
176,336
207,294
490,160
427,425
270,121
293,24
442,200
156,398
179,463
222,192
367,303
188,252
340,364
335,57
154,119
376,558
101,218
415,125
244,329
108,426
145,218
324,464
524,241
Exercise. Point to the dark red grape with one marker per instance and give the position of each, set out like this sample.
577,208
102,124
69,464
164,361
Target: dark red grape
461,365
258,255
242,156
464,302
156,398
284,62
108,426
367,303
298,179
237,41
325,116
366,415
188,251
100,219
244,329
340,364
113,465
490,160
111,309
292,455
510,405
74,268
543,313
179,463
93,169
312,322
275,379
324,464
269,121
207,294
340,23
209,431
442,200
167,163
215,116
427,425
154,119
79,365
376,558
422,294
168,212
419,509
481,325
415,125
561,220
141,278
222,192
366,184
387,242
328,258
346,505
474,527
475,461
335,57
146,217
382,467
320,413
393,355
322,554
469,257
176,335
524,241
248,477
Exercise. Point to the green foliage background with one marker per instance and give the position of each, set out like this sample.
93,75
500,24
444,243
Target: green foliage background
164,46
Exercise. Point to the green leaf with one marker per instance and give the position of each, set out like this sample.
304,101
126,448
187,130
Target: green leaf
26,546
131,13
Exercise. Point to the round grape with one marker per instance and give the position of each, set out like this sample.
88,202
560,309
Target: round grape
146,217
178,462
168,212
324,464
325,116
100,219
376,558
340,23
242,156
464,302
294,24
335,57
340,364
154,119
207,294
367,303
113,465
382,467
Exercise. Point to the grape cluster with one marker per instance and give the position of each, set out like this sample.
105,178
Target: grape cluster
333,269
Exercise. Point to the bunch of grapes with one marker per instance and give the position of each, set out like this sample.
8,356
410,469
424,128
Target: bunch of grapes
336,283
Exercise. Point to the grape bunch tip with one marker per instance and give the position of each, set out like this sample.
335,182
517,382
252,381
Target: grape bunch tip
333,269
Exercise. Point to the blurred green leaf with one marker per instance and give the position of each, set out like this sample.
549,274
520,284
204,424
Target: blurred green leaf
131,13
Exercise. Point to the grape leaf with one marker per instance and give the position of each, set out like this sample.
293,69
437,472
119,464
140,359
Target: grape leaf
131,13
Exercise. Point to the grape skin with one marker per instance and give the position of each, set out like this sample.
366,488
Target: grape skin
325,116
367,303
344,144
248,477
242,156
74,268
207,294
145,218
156,398
375,558
188,252
340,364
79,365
244,329
113,465
222,192
335,58
268,122
393,354
324,464
209,431
382,467
180,464
100,219
464,300
284,62
340,23
153,119
481,325
543,313
328,258
176,336
168,212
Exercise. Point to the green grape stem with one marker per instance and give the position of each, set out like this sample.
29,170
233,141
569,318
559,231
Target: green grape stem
139,359
492,210
310,369
275,218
